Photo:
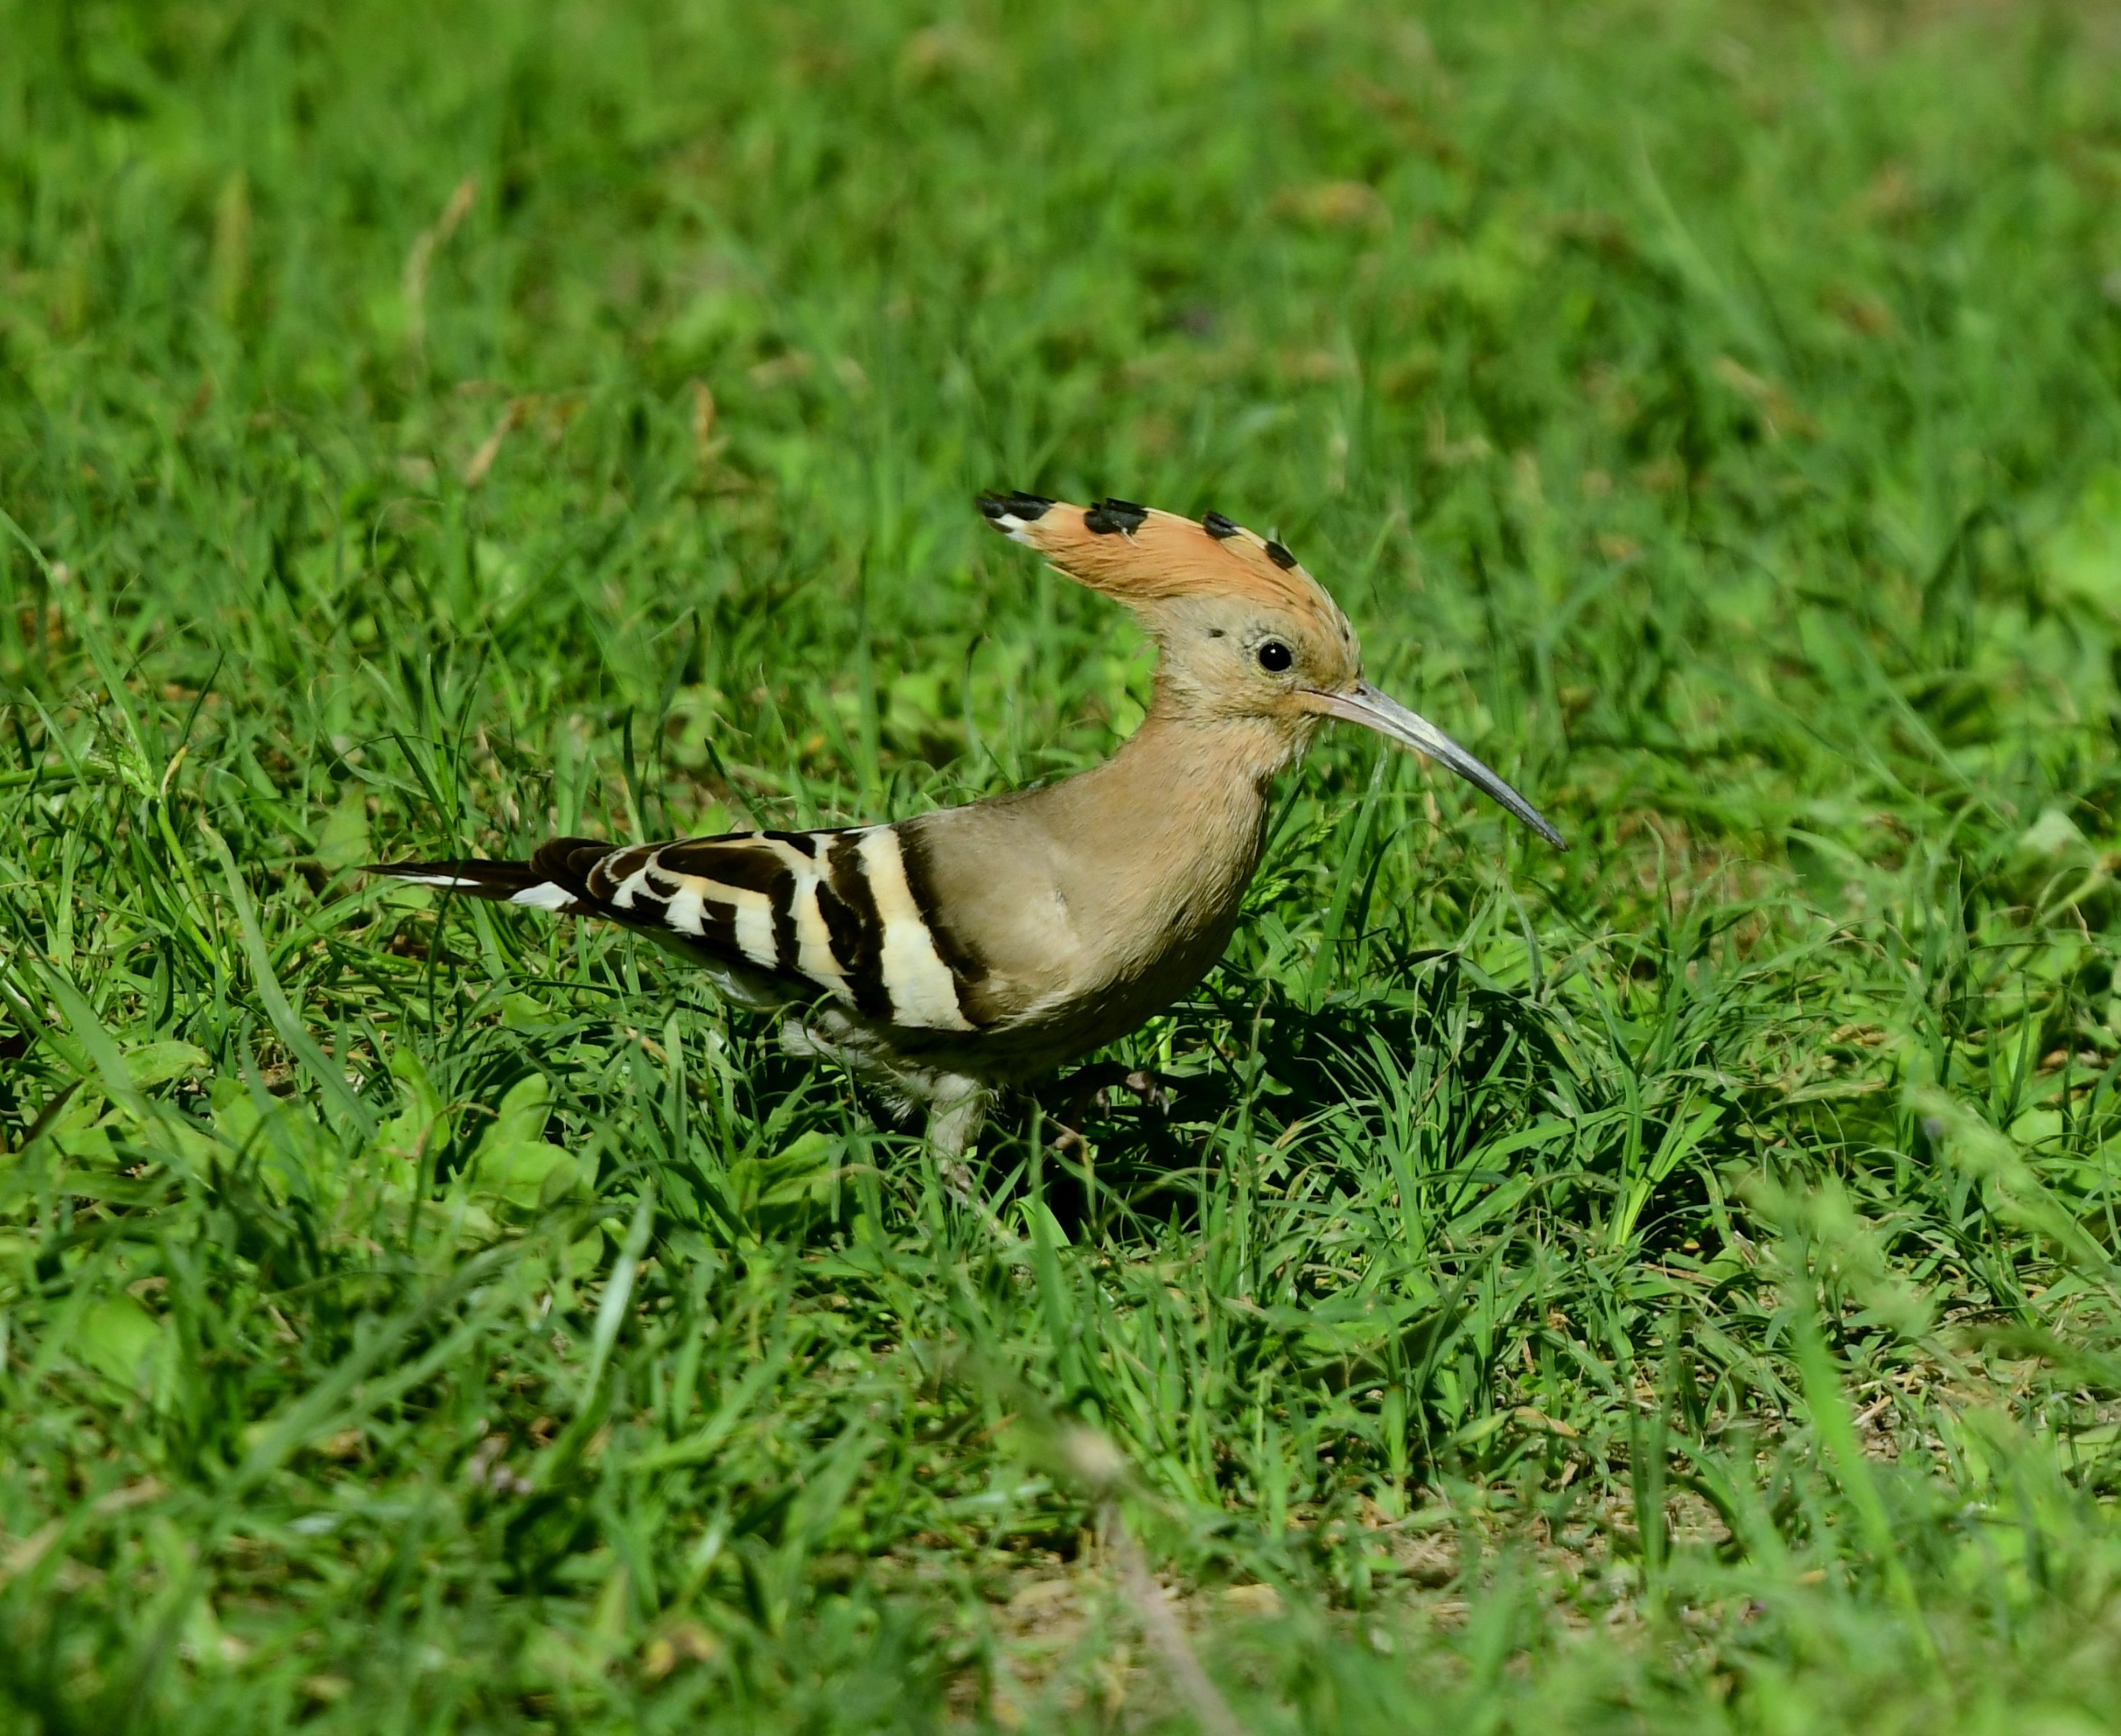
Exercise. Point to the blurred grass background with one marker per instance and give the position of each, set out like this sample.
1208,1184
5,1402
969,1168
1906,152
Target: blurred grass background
1668,1286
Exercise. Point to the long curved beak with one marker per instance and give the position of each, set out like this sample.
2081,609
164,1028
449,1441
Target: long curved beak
1394,722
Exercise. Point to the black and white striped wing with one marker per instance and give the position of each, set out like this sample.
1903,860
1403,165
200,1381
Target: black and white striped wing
846,912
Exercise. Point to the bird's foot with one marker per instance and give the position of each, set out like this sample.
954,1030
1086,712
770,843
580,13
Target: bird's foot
956,1177
1149,1088
1091,1088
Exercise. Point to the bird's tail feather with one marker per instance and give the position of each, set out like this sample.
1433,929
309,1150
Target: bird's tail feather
507,883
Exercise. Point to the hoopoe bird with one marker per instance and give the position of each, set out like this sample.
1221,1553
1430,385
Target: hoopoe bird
954,955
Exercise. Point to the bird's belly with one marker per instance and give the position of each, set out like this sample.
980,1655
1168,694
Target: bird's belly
1101,1011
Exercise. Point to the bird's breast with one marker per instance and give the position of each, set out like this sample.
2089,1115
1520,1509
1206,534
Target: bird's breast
1073,912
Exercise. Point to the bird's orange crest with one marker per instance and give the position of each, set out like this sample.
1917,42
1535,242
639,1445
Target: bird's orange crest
1139,556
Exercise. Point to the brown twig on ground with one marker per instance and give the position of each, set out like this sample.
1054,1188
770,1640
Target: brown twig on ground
1210,1710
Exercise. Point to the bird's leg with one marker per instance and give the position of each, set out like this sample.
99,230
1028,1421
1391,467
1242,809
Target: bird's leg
957,1104
1091,1086
1086,1088
1150,1089
957,1109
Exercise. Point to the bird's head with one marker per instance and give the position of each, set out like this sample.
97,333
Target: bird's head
1246,635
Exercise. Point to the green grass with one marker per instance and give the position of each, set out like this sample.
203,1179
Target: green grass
1674,1286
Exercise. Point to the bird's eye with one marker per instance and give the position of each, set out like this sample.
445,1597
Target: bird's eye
1274,656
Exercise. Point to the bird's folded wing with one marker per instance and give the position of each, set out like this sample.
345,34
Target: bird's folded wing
848,912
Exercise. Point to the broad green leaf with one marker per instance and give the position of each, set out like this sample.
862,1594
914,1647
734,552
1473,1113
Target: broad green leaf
344,840
157,1063
513,1164
410,1134
118,1338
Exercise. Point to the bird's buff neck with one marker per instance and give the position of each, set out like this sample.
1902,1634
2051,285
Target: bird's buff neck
1183,801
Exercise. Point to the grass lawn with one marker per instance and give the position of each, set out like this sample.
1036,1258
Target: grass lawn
1674,1286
